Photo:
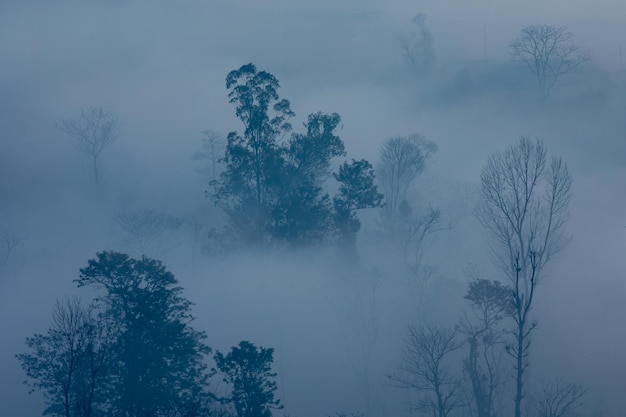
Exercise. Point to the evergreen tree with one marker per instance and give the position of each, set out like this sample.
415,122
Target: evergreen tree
248,370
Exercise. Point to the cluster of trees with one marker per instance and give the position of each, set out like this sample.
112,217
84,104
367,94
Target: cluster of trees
547,51
524,209
272,189
133,352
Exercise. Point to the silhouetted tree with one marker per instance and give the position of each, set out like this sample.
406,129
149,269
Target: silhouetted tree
93,133
68,363
273,191
211,151
490,303
248,185
401,160
248,370
425,367
548,52
8,243
524,209
356,191
302,214
147,232
417,45
158,358
558,399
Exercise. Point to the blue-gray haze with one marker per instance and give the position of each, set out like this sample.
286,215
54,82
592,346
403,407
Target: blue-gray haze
160,67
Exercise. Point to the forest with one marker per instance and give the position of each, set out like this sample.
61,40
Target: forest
355,210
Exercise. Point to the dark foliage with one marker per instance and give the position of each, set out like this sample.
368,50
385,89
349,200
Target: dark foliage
272,191
248,370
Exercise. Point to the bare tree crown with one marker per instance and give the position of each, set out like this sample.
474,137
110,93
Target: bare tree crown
402,159
548,52
524,205
93,133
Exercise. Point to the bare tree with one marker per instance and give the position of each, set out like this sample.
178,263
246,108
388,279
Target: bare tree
402,159
524,208
93,133
558,399
417,45
8,243
425,368
211,151
548,52
67,362
147,232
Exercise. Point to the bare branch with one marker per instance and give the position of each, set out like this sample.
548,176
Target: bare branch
524,209
211,151
417,46
92,133
424,368
147,232
548,52
8,243
558,399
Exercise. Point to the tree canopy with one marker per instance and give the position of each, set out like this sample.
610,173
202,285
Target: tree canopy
273,190
132,353
248,370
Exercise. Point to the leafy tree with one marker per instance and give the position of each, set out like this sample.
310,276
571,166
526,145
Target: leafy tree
302,215
68,362
401,160
490,303
272,190
248,370
524,208
356,191
158,358
248,185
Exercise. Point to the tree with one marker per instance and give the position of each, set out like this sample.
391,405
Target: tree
93,133
211,151
524,209
548,52
417,46
558,399
158,358
68,363
247,187
425,368
490,303
272,191
356,191
402,159
8,243
248,370
251,159
147,232
302,213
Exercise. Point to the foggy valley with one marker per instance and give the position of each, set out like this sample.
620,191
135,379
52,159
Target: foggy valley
373,244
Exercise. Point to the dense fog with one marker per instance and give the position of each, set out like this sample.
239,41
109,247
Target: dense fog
338,326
